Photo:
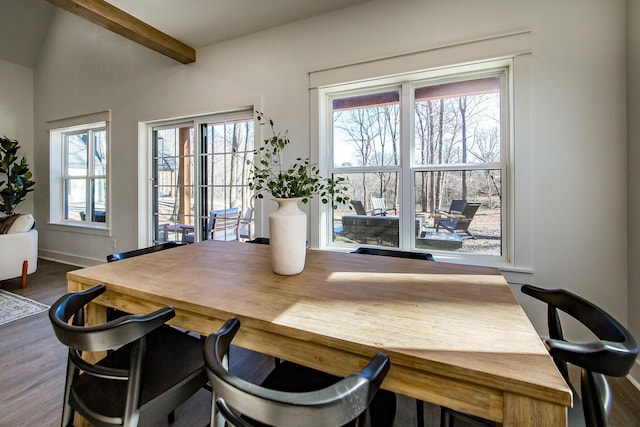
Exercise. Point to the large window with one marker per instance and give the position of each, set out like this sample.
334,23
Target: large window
425,160
79,174
200,176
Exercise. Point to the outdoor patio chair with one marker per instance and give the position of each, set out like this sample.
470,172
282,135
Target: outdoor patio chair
223,224
246,224
379,206
358,207
342,401
226,227
459,223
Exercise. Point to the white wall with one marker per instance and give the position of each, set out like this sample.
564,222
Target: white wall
633,175
16,116
576,106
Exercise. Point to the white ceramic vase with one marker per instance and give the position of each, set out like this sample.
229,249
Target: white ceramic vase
288,237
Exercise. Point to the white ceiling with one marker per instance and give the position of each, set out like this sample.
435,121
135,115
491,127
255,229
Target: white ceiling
197,23
200,23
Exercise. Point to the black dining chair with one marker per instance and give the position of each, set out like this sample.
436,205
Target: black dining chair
401,254
113,313
137,252
244,404
393,253
259,240
612,353
149,368
293,377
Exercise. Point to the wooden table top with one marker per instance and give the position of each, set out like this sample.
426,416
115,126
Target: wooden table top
460,322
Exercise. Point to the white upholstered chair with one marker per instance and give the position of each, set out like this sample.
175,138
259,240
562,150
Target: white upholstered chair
19,249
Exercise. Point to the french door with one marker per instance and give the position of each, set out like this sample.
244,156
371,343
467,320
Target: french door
199,166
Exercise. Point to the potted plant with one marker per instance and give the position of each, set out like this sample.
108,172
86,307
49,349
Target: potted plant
15,176
289,185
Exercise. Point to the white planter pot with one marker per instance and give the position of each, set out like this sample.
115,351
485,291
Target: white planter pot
288,237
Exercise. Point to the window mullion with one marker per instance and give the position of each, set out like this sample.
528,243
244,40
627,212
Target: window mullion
406,182
90,180
459,167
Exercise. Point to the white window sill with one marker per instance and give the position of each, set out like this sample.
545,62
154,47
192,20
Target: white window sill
73,227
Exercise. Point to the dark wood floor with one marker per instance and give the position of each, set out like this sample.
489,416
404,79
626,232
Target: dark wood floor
32,365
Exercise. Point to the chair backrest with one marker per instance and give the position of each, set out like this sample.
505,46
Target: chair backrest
217,213
259,240
470,210
246,224
457,206
392,253
226,226
616,349
243,403
110,335
358,207
137,252
378,205
613,353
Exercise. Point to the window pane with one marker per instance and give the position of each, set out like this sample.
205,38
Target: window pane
374,216
76,152
174,187
230,137
75,200
100,153
445,210
99,200
458,123
225,172
366,130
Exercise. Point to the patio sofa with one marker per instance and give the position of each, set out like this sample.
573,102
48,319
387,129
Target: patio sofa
363,227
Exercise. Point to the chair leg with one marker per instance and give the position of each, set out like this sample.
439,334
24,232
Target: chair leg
596,398
446,419
25,268
449,416
420,412
67,411
383,408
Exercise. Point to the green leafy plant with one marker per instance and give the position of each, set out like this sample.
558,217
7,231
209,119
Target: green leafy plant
300,180
15,176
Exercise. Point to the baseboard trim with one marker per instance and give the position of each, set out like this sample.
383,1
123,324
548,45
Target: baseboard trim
69,259
634,375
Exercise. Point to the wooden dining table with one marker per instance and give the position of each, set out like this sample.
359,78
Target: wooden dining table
455,334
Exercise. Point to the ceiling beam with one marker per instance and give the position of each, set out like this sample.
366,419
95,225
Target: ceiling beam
110,17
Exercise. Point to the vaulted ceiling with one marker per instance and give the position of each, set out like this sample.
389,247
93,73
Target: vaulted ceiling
196,23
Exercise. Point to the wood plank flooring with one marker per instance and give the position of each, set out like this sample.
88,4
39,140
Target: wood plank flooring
32,366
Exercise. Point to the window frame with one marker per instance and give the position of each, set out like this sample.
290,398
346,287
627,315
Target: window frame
407,166
59,131
200,156
90,177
